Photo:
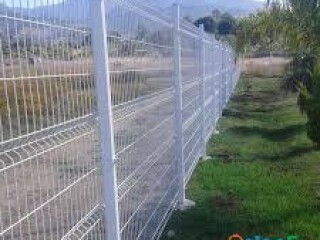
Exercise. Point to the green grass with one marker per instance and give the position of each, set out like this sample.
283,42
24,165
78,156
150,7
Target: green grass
262,179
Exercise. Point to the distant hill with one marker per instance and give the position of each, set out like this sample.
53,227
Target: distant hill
200,8
78,10
192,8
77,13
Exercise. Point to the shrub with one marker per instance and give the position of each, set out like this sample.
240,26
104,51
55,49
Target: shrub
310,103
299,71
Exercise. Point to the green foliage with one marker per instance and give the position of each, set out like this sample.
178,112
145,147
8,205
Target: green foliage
304,35
310,103
300,24
263,31
299,70
245,38
226,27
303,5
217,23
209,24
294,26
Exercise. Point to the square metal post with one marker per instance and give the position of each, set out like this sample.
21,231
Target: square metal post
202,90
178,106
104,107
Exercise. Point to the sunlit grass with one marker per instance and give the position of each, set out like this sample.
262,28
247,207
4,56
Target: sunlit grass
263,176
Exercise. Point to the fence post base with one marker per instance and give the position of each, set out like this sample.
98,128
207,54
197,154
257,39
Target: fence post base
187,204
206,158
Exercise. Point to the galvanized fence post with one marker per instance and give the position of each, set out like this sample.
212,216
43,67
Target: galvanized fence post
220,80
230,72
213,83
178,106
227,75
212,87
104,108
202,89
230,64
234,68
224,79
226,63
216,85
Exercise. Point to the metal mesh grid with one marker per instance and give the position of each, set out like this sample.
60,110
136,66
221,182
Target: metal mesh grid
191,89
140,54
50,158
49,152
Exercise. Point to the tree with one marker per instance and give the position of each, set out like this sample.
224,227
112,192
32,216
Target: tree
293,26
301,25
227,24
216,15
226,27
245,35
266,30
310,100
210,25
223,24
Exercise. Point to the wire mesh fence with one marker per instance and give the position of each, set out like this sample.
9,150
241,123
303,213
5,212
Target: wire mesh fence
105,109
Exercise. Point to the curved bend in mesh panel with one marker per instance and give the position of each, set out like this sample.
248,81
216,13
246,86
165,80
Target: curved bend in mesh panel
52,179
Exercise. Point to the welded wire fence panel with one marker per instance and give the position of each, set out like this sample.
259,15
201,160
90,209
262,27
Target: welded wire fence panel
191,90
190,64
140,55
49,160
210,88
50,153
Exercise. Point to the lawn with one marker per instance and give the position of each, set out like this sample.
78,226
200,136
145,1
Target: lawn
262,179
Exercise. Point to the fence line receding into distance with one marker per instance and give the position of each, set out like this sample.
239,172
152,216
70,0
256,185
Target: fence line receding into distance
105,109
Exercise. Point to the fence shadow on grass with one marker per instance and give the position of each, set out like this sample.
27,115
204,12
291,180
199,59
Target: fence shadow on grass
211,222
278,134
257,157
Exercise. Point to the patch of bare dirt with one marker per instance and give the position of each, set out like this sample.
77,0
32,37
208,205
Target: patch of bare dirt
269,66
